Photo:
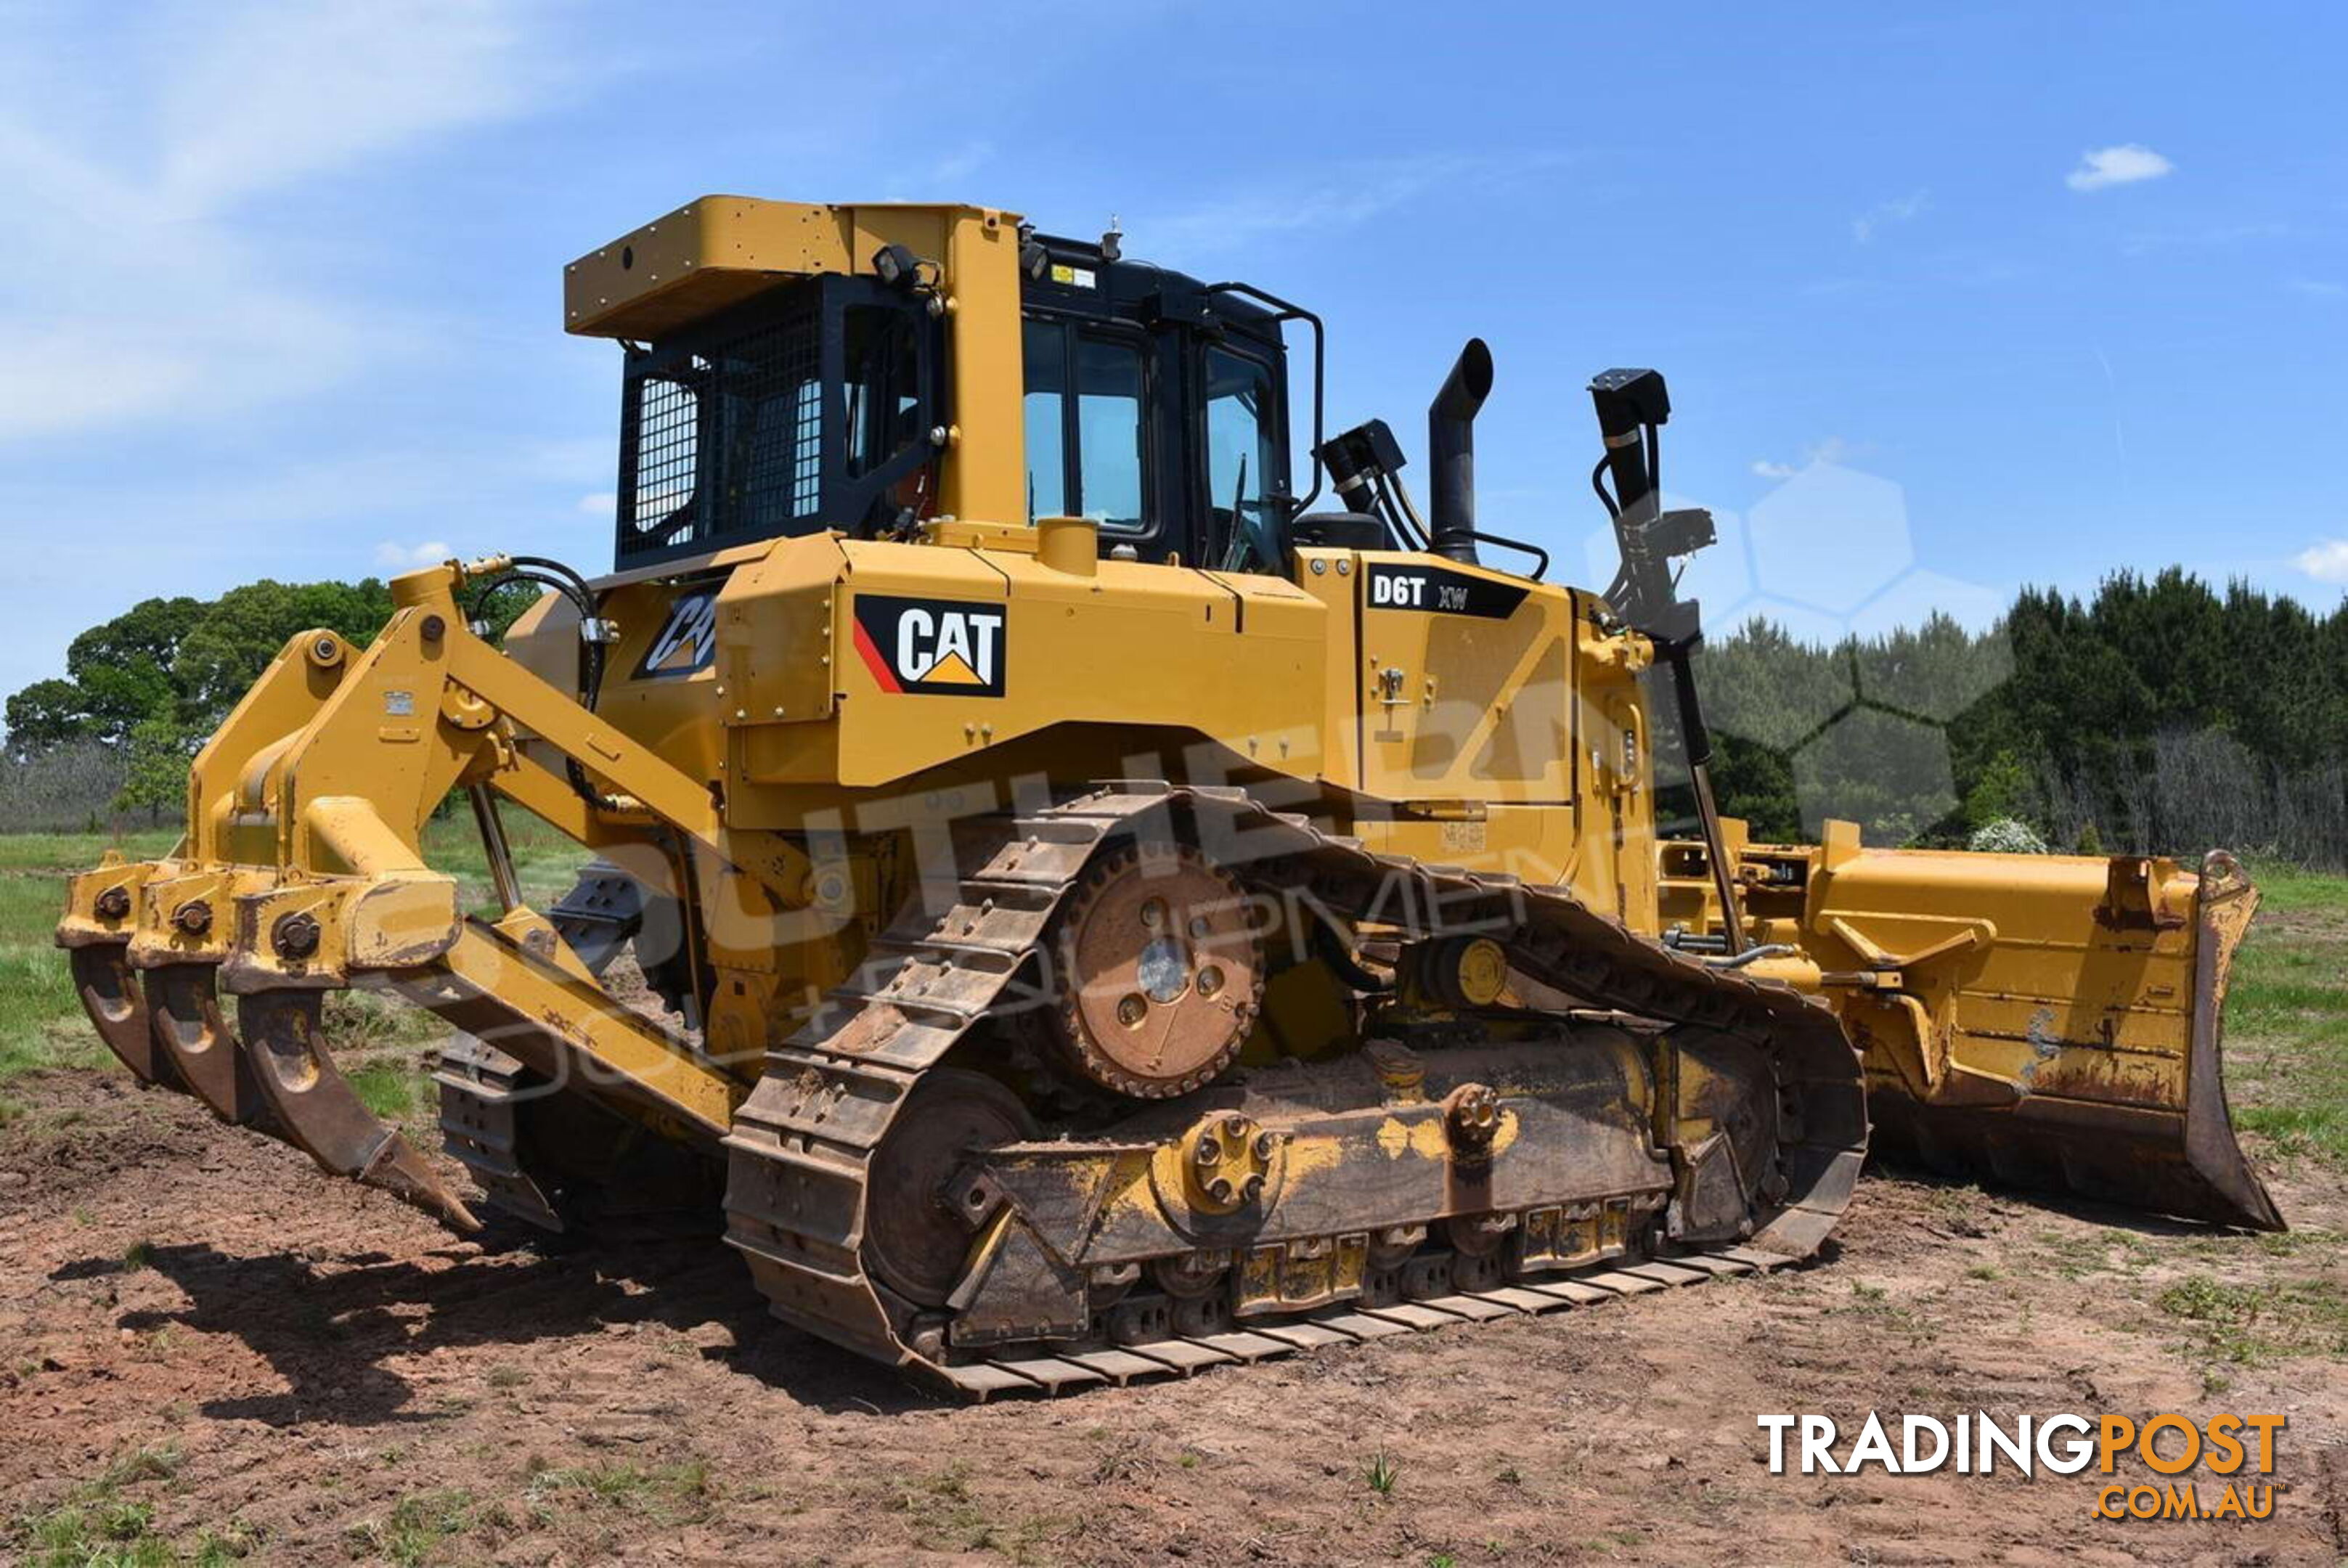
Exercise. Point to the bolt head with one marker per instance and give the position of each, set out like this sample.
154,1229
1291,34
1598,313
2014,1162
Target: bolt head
295,936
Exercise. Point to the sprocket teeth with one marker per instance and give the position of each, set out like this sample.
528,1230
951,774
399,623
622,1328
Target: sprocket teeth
1175,875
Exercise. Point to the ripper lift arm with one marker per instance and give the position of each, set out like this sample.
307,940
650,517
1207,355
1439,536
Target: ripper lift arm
303,873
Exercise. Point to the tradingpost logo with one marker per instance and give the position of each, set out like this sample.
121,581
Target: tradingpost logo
2198,1470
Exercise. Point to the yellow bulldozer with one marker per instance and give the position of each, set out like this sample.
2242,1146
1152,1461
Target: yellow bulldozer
1099,915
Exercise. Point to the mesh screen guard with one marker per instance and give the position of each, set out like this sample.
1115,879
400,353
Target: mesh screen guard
722,439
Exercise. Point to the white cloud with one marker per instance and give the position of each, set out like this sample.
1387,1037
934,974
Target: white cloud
2123,165
602,505
2318,288
1830,452
1865,227
141,289
267,93
2325,562
394,557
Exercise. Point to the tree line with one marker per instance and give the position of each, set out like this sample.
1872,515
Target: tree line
2157,715
110,740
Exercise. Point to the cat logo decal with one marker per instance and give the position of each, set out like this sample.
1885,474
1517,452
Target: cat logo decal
934,646
687,639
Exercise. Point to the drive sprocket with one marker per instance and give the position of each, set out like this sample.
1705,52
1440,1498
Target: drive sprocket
1160,971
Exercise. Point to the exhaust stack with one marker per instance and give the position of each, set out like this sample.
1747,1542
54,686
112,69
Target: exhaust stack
1451,452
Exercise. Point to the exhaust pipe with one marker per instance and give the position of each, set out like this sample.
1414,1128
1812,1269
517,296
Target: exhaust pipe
1451,452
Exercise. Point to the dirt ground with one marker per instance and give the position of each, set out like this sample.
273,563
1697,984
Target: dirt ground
212,1352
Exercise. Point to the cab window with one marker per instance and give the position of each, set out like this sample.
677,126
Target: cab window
1242,448
1087,433
1045,417
883,386
1109,433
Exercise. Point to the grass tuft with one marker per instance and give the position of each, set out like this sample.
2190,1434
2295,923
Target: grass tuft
2259,1325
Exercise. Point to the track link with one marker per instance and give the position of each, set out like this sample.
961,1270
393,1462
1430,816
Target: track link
480,1085
803,1144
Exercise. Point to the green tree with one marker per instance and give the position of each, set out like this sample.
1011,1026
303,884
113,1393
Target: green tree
187,661
159,749
44,715
1999,790
123,668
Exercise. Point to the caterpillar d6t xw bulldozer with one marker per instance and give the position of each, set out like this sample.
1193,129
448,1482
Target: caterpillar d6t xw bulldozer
1099,914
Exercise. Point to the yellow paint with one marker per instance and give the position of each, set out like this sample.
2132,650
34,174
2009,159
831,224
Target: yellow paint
1505,1134
1987,977
1310,1155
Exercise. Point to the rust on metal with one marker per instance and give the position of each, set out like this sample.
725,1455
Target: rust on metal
1162,973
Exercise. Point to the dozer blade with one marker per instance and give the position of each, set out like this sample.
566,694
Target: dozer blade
2085,1055
321,1114
195,1040
118,1012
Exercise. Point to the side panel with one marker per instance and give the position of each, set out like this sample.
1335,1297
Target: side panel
938,654
1467,682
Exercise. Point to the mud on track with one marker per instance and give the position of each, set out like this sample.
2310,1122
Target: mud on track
203,1337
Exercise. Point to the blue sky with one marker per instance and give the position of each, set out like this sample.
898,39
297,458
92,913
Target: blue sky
1990,295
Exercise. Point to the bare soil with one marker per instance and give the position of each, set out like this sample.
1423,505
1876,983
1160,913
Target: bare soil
255,1361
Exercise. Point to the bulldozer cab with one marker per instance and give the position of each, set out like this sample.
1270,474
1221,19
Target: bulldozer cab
1151,403
1153,406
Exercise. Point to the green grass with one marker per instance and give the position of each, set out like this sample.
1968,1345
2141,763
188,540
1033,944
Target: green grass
40,1017
41,1021
2287,1011
2289,888
419,1523
63,852
941,1511
680,1493
96,1525
2258,1324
